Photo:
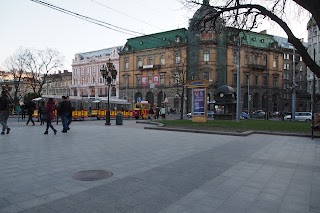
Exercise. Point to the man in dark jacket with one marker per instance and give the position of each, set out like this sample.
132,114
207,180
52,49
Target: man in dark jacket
31,106
4,111
64,110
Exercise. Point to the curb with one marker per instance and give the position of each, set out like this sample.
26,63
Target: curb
160,126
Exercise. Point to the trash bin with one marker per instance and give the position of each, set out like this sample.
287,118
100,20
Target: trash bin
119,119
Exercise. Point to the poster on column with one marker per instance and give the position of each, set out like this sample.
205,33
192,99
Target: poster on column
199,101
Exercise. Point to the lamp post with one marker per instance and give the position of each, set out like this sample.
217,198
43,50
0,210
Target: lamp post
109,73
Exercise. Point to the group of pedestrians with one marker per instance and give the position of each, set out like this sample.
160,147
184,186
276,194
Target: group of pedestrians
46,112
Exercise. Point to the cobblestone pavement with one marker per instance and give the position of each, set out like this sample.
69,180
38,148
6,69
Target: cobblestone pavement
156,171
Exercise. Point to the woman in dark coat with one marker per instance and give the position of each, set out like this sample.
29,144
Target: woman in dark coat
50,108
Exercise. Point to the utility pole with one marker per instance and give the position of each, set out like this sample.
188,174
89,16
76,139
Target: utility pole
267,95
248,94
238,81
313,107
293,111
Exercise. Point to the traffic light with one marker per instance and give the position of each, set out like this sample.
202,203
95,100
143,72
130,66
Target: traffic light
250,98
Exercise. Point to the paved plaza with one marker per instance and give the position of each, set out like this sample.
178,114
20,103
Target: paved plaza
156,171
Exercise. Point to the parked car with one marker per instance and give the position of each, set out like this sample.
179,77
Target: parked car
210,114
300,116
258,114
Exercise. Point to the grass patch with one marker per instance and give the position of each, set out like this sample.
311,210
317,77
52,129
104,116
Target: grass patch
243,125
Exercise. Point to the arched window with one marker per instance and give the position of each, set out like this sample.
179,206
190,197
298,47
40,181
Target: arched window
150,98
137,96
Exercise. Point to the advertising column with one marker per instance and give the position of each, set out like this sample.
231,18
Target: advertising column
199,101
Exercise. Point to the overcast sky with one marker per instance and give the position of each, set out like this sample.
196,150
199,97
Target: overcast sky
27,24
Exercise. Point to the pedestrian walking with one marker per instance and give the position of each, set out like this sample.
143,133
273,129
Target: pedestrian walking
48,116
42,111
23,111
31,106
69,113
64,110
151,112
5,103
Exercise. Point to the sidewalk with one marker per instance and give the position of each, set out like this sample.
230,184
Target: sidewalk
156,171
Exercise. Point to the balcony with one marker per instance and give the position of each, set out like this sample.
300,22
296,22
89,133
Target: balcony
149,67
257,67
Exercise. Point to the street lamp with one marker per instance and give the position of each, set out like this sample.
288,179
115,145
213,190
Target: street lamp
109,73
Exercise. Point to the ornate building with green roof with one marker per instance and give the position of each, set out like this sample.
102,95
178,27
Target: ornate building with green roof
154,67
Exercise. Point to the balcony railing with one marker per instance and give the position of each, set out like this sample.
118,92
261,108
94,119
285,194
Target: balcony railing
257,66
149,67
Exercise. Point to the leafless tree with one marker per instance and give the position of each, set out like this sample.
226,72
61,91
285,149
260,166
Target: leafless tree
39,63
179,72
16,65
248,14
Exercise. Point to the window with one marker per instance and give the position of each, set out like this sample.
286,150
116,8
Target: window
246,59
125,80
150,61
206,55
274,63
246,79
254,59
235,78
126,64
176,77
256,77
94,70
140,64
113,91
82,71
161,78
162,60
138,80
205,75
286,56
235,58
177,58
264,60
275,81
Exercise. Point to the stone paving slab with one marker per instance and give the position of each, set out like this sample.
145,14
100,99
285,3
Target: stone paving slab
156,171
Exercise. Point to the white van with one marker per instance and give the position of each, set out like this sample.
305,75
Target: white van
300,116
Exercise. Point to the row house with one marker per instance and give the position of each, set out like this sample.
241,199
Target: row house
87,80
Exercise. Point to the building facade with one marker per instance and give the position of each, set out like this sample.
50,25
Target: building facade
153,68
314,52
148,66
87,80
58,84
